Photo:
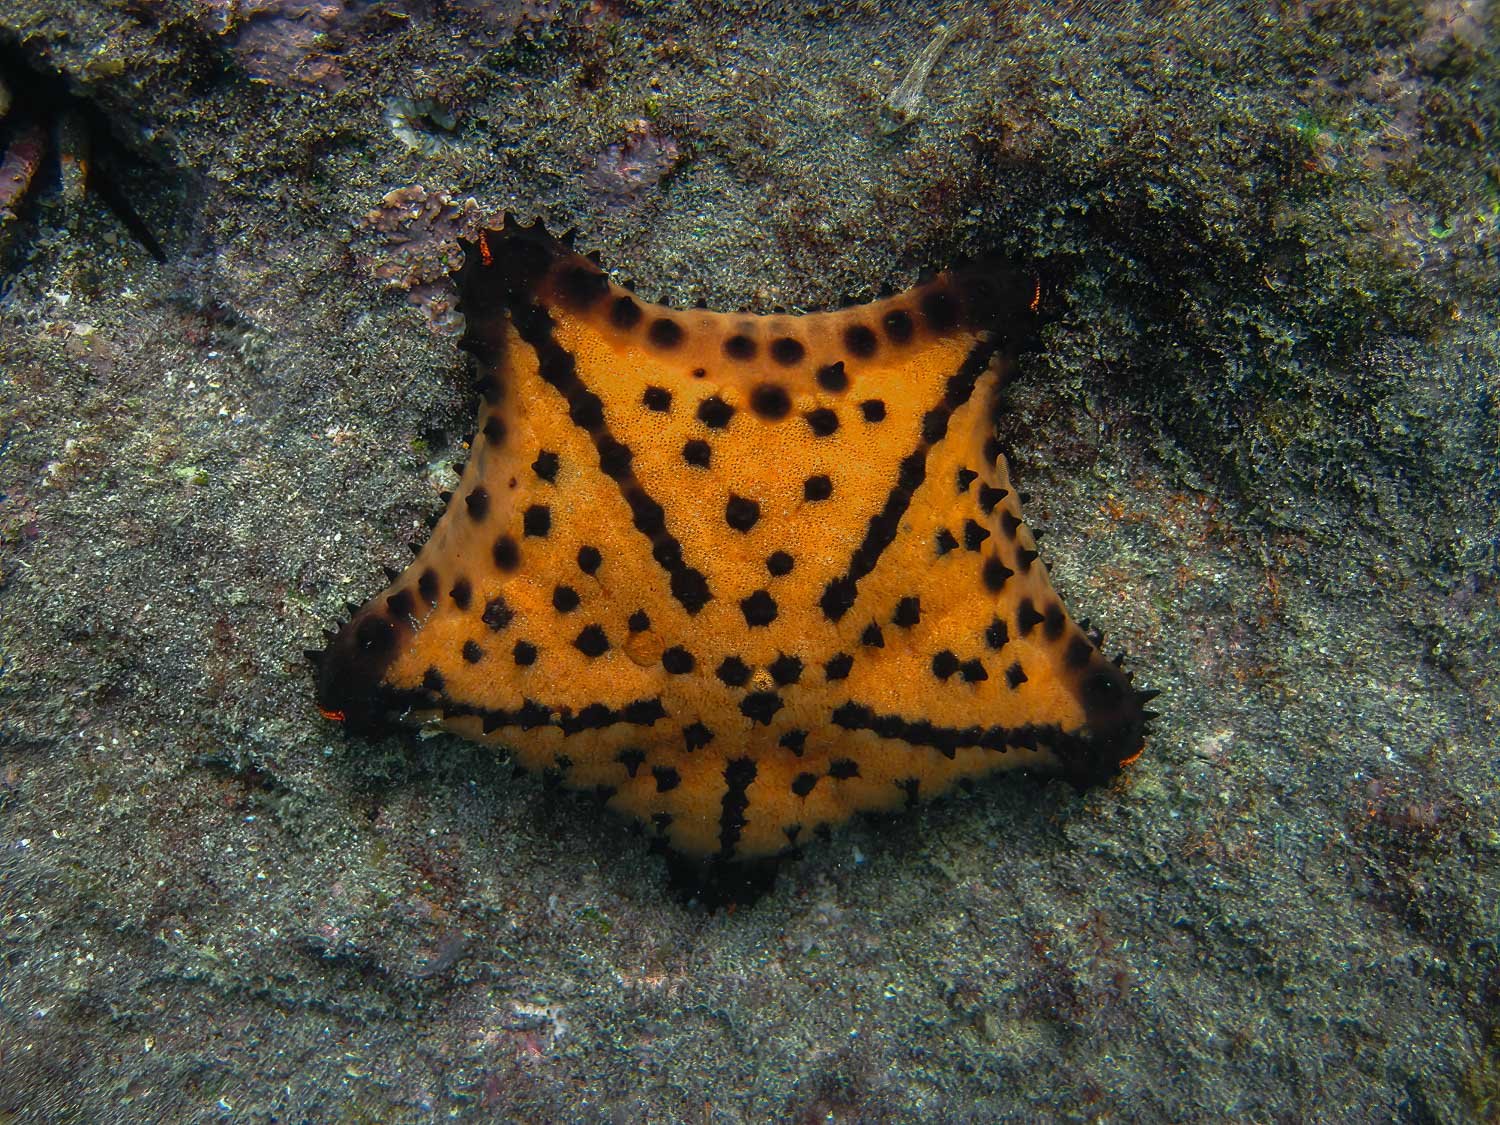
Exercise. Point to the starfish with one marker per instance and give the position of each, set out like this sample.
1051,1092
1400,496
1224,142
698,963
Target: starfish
740,576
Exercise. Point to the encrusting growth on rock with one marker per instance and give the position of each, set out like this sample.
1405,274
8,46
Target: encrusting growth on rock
741,576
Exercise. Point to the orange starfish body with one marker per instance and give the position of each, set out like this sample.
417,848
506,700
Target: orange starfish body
741,576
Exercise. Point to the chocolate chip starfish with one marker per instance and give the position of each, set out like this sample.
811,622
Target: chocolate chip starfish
741,576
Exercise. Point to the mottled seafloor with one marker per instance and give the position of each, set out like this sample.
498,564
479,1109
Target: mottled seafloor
1263,438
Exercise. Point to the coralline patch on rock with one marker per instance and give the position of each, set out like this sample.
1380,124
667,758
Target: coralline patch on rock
284,42
301,43
624,173
411,242
1453,28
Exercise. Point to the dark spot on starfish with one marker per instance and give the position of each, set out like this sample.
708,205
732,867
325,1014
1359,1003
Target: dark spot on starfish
739,347
624,313
678,660
1053,622
995,573
665,333
506,554
818,487
944,664
591,641
989,497
581,286
497,613
898,326
908,612
823,421
785,670
1027,618
741,513
759,609
614,458
374,634
787,351
545,466
761,706
940,310
537,522
715,413
838,597
770,401
697,453
478,503
860,341
733,672
586,410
